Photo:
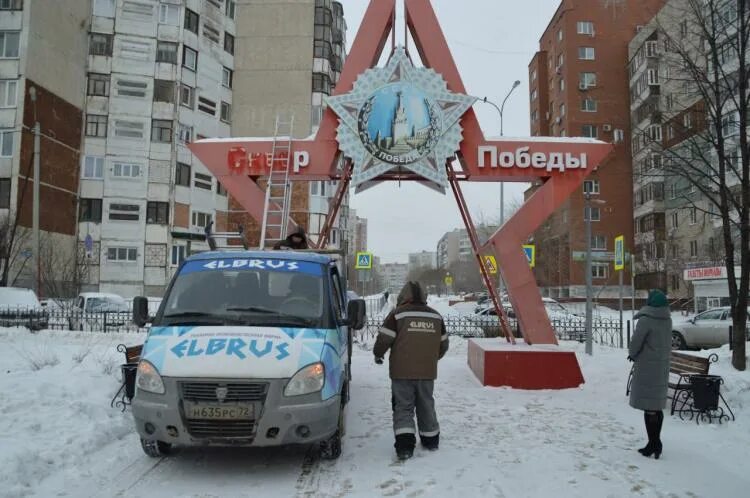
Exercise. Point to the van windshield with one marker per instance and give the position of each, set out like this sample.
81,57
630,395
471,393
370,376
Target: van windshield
254,292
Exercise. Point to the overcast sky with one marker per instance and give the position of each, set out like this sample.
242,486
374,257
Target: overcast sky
492,42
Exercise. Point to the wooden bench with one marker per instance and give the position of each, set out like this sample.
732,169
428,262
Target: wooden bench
681,367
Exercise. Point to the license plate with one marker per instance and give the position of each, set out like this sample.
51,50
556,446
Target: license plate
204,411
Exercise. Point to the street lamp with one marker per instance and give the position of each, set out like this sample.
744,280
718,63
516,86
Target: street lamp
500,110
589,289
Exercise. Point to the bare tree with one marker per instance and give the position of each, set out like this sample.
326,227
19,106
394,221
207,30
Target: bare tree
702,135
62,270
13,253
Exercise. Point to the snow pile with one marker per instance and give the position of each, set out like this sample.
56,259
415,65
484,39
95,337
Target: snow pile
59,436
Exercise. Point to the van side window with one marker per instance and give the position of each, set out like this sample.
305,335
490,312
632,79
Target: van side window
338,302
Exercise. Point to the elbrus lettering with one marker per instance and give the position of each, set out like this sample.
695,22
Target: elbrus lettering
260,264
232,347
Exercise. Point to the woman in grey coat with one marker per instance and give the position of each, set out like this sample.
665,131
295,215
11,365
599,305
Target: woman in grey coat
650,349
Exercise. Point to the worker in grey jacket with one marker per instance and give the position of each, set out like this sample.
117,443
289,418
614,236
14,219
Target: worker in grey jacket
416,336
650,349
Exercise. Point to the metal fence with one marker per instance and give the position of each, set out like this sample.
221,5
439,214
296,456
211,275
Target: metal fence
605,331
68,319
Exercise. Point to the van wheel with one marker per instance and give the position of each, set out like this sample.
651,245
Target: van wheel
330,449
678,342
155,449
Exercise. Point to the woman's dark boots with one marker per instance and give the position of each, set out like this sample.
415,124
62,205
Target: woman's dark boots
654,422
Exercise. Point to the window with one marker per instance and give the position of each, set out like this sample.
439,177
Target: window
157,213
169,14
618,136
586,53
560,60
599,270
9,43
562,85
693,248
693,216
229,43
96,125
599,243
673,191
203,181
98,85
675,282
560,35
182,175
226,112
562,110
125,88
653,77
190,58
93,168
591,187
670,132
192,20
164,91
596,214
588,105
4,193
675,220
207,106
185,133
201,220
587,80
652,48
230,9
129,129
227,75
220,189
8,93
11,4
683,29
90,210
178,255
585,28
187,96
161,130
100,44
166,52
6,143
589,131
124,212
654,132
126,170
122,254
729,125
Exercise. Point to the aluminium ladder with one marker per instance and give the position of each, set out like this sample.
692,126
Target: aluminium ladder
278,187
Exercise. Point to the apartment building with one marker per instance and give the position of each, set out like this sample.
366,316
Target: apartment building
43,48
290,56
357,233
677,230
159,75
578,88
422,260
455,246
394,276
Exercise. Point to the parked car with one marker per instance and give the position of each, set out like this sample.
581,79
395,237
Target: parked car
21,308
709,329
93,309
567,325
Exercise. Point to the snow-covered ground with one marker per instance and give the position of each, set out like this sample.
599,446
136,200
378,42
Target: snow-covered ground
59,437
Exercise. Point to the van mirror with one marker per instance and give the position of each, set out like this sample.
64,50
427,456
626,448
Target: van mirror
356,311
140,311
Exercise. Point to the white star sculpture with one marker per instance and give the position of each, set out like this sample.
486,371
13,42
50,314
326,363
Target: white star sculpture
400,119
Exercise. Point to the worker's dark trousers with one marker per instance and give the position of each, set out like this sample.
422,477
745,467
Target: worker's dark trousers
408,395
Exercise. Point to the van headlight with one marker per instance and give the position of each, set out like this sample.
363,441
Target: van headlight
148,379
308,380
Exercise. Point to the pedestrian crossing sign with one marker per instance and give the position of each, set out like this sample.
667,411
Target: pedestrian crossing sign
491,264
530,251
364,261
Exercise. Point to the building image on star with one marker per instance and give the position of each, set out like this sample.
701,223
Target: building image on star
400,122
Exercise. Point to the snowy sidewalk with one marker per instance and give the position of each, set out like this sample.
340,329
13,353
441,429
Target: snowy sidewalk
58,437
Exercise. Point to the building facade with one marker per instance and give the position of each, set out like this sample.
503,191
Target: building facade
455,246
357,233
394,276
43,46
290,57
577,89
422,260
159,75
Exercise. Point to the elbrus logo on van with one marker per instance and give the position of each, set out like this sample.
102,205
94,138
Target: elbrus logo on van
233,347
240,264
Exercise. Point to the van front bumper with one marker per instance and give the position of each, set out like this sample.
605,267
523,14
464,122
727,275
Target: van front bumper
278,420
